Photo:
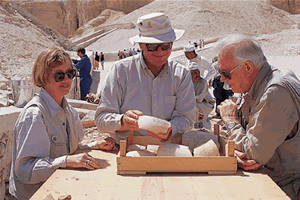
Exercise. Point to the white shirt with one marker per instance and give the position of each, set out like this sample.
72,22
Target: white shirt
130,85
203,65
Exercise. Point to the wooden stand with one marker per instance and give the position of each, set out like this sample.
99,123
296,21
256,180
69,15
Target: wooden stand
226,163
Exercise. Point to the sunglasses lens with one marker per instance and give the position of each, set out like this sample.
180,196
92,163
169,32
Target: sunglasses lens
225,74
152,47
166,46
71,73
59,76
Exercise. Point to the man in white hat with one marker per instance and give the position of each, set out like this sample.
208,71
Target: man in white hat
204,100
202,62
148,84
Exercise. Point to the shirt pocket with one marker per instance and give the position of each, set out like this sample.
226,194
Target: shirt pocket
58,146
169,106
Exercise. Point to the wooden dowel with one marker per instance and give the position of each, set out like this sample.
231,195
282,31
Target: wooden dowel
230,148
123,148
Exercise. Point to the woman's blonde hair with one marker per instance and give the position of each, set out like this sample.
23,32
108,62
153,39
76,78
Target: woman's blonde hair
47,60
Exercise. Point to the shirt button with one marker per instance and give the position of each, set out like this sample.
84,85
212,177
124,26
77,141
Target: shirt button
63,123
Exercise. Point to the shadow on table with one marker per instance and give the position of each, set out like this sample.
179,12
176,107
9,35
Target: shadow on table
167,174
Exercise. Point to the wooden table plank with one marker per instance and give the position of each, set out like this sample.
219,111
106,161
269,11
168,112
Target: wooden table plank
106,184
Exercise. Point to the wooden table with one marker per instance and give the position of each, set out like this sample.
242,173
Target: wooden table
105,184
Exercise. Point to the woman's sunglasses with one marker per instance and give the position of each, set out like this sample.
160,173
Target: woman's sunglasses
60,76
164,46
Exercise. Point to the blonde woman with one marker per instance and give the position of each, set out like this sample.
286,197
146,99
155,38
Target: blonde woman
48,130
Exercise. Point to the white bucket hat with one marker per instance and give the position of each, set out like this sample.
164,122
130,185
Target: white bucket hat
189,48
155,28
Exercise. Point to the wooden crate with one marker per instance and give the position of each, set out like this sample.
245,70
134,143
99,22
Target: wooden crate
226,163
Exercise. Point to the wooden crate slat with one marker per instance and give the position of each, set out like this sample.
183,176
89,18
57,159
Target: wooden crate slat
177,164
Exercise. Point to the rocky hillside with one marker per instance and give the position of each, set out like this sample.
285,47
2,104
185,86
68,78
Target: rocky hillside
20,44
66,16
207,19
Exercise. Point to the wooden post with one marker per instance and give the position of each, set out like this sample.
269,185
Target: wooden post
230,148
123,148
130,138
217,131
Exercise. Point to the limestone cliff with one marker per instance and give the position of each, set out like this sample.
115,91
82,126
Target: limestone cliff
291,6
66,16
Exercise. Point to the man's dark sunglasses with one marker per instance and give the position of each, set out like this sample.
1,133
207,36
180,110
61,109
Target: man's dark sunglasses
60,76
164,46
227,74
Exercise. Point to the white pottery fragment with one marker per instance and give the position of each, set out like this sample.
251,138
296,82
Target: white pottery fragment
193,139
139,153
135,147
207,149
169,149
152,148
153,124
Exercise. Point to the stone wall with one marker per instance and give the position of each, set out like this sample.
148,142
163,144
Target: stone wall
66,16
291,6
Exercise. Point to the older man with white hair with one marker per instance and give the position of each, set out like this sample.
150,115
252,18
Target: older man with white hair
265,125
148,84
203,64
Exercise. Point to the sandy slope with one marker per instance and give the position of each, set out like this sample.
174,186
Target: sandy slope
205,19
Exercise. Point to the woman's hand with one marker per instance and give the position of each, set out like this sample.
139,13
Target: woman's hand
82,160
245,164
108,144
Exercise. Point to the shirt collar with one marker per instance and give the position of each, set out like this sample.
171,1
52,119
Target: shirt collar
51,103
264,71
144,66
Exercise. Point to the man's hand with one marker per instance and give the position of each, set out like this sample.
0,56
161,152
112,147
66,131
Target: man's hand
83,160
107,145
161,136
129,120
228,111
245,164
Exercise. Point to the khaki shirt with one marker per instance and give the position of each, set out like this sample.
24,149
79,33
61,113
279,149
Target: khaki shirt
269,132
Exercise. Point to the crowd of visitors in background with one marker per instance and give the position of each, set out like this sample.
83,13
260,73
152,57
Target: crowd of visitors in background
197,44
128,52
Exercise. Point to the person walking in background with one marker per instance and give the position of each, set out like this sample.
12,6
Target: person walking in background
97,59
120,54
133,52
202,62
102,60
84,67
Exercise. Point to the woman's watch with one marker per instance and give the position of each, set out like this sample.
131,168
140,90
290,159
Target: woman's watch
230,125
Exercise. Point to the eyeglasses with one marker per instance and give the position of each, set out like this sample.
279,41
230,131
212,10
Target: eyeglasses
60,76
164,46
227,74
